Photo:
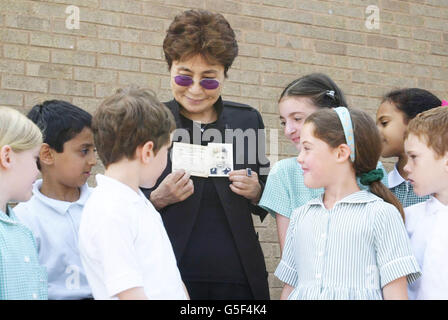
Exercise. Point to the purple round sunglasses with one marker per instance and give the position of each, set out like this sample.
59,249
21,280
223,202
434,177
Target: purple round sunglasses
186,81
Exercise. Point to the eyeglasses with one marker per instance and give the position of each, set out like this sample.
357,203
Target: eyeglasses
186,81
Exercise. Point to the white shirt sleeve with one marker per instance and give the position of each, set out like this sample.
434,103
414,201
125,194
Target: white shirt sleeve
116,249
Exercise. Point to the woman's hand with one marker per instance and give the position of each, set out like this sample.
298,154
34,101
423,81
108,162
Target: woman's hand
176,187
246,186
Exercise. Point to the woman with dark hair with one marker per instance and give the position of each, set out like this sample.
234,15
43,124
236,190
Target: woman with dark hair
209,220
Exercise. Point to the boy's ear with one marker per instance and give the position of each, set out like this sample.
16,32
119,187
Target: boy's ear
5,157
46,155
343,152
147,152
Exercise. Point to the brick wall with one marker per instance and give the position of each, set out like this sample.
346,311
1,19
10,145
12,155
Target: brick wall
119,42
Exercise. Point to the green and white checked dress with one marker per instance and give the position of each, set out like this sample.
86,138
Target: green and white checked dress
403,190
21,275
349,252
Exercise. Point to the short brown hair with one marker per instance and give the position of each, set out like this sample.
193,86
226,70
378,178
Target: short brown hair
431,126
200,32
328,128
128,119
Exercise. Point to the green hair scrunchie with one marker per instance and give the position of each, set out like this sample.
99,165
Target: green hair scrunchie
372,176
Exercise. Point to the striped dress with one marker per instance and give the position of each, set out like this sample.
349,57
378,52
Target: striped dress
349,252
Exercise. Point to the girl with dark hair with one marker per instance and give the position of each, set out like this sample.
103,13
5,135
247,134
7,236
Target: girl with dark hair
349,243
285,189
396,110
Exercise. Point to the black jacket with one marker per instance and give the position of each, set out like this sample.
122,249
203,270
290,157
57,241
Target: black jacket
179,218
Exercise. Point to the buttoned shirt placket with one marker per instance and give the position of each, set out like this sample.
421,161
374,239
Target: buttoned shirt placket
322,248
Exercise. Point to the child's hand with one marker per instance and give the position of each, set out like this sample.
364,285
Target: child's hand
176,187
246,186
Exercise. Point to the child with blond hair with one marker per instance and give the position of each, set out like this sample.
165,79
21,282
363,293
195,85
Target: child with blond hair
21,276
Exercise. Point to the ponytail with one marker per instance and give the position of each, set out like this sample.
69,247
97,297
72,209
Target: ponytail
372,179
380,190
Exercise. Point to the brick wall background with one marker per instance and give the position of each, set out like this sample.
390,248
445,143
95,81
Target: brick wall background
119,42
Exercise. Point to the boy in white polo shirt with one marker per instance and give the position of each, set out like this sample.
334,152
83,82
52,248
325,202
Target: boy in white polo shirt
124,246
426,146
54,212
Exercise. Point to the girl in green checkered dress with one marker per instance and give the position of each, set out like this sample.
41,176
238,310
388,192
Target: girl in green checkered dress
21,276
397,108
285,189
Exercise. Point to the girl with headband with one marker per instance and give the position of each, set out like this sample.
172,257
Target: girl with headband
396,110
285,190
348,243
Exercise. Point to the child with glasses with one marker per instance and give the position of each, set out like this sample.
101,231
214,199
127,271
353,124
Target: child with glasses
349,243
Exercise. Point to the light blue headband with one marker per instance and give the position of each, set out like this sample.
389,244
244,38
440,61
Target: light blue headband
346,121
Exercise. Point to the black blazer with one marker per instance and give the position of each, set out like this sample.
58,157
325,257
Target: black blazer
179,218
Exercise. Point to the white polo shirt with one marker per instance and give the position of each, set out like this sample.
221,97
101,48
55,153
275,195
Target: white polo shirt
427,225
55,225
124,245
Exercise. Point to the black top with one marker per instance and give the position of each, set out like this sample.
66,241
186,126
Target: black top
210,254
187,222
